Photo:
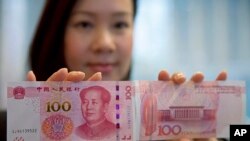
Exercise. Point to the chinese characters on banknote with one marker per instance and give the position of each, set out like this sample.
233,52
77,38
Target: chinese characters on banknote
122,110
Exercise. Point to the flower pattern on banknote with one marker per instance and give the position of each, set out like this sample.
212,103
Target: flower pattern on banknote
57,127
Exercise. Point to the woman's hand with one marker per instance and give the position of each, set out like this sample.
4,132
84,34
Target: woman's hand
179,78
64,75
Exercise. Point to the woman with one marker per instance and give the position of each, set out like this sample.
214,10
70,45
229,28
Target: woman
51,48
88,40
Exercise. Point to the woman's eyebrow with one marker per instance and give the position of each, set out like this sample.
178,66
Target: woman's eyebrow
121,14
92,14
83,13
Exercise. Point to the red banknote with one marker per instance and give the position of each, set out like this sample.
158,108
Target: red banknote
122,110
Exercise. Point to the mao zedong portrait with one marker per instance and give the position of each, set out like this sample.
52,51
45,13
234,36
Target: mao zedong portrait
95,101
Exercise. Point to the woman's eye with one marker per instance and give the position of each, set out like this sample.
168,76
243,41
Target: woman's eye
84,25
121,25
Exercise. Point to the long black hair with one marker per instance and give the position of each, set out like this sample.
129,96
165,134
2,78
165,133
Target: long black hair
46,54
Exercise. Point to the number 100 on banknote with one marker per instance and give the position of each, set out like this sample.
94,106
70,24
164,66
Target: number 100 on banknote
122,110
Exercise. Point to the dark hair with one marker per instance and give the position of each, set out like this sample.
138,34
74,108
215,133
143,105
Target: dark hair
105,95
46,53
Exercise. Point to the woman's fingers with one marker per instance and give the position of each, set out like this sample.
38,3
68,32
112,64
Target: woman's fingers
178,78
197,77
222,76
31,76
60,75
63,75
163,75
96,77
75,76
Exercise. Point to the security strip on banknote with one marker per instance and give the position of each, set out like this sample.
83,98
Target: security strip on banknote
123,110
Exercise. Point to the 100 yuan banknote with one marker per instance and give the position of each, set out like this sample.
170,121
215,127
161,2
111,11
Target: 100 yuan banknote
122,110
190,110
70,111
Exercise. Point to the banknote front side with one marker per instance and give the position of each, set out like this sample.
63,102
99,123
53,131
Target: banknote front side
122,110
70,111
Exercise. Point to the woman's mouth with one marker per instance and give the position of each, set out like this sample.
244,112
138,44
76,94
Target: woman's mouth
101,67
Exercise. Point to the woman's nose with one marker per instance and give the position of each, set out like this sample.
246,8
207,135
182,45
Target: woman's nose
103,41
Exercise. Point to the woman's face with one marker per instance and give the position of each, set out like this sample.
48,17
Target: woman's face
98,38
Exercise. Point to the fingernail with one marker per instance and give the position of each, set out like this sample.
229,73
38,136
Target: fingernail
178,75
63,69
99,73
199,72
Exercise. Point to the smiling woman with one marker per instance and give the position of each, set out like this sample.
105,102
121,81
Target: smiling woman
85,35
98,38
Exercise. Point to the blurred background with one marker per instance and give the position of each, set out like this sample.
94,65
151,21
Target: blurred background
177,35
